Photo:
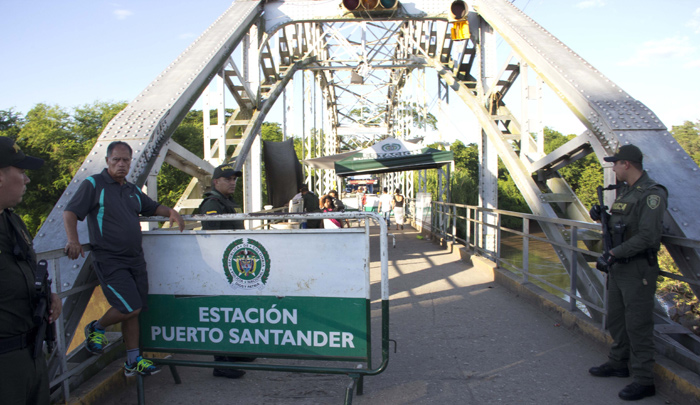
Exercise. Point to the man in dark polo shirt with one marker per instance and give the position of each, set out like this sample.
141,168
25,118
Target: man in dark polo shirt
112,207
23,377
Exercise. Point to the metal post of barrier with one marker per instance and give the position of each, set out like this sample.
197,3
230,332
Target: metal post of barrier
526,249
574,268
60,331
140,390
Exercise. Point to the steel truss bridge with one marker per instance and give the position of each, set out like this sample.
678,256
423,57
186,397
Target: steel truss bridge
362,73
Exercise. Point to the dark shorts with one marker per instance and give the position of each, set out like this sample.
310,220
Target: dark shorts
124,284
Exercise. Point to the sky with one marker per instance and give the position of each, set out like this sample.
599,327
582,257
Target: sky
77,52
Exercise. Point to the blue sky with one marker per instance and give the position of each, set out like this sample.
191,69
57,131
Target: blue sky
74,53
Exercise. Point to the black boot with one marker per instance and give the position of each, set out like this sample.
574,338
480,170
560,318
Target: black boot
606,370
637,391
227,372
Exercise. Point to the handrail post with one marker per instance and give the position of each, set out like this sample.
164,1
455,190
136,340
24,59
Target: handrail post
467,227
526,249
498,240
454,223
574,268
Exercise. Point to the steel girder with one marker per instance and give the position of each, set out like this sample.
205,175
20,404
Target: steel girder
612,117
363,63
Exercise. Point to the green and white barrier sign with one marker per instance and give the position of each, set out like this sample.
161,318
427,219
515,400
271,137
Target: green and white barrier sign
274,293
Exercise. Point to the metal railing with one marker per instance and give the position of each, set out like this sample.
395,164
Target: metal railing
477,221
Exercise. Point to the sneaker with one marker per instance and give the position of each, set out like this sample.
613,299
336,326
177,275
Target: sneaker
635,391
95,339
143,367
606,370
228,373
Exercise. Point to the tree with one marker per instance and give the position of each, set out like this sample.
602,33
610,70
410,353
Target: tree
172,182
584,175
63,140
688,135
10,123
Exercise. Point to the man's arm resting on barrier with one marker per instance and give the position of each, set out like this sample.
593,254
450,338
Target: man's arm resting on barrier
73,248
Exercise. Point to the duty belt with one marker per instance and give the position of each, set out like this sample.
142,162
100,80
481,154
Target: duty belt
18,342
626,260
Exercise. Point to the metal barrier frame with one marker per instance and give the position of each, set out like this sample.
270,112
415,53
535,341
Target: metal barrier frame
356,374
63,374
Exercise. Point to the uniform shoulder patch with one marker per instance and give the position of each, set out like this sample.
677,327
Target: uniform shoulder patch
653,201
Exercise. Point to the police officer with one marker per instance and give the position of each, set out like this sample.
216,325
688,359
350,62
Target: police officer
635,225
23,378
311,204
220,199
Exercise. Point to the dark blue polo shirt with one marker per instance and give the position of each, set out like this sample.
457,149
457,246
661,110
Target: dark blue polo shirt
112,211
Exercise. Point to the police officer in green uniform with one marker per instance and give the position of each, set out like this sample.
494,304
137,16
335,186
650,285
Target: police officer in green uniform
635,225
23,378
220,201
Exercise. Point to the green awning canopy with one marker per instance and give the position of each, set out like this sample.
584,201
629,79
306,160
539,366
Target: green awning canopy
392,155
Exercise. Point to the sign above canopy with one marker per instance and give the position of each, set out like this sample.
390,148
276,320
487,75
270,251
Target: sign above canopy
392,155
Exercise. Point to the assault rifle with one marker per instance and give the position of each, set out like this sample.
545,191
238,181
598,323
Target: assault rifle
46,331
602,264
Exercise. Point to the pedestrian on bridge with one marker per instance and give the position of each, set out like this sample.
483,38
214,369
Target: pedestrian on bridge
23,376
385,205
397,204
112,207
635,226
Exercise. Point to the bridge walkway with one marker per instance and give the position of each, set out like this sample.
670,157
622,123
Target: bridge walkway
461,338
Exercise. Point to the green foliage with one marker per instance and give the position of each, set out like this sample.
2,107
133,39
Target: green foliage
584,175
172,182
466,157
10,123
688,135
62,139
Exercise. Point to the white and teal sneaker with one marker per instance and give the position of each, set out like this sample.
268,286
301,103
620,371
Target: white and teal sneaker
142,366
95,339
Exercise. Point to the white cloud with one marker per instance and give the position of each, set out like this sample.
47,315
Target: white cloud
590,3
122,14
692,64
667,48
694,22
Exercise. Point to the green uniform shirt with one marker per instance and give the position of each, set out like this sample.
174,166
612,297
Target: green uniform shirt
641,208
215,203
17,295
310,202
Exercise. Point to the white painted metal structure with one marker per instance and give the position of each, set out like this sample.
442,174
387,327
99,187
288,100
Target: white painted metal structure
355,68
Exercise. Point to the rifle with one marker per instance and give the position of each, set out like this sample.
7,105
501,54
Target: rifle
46,331
601,264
